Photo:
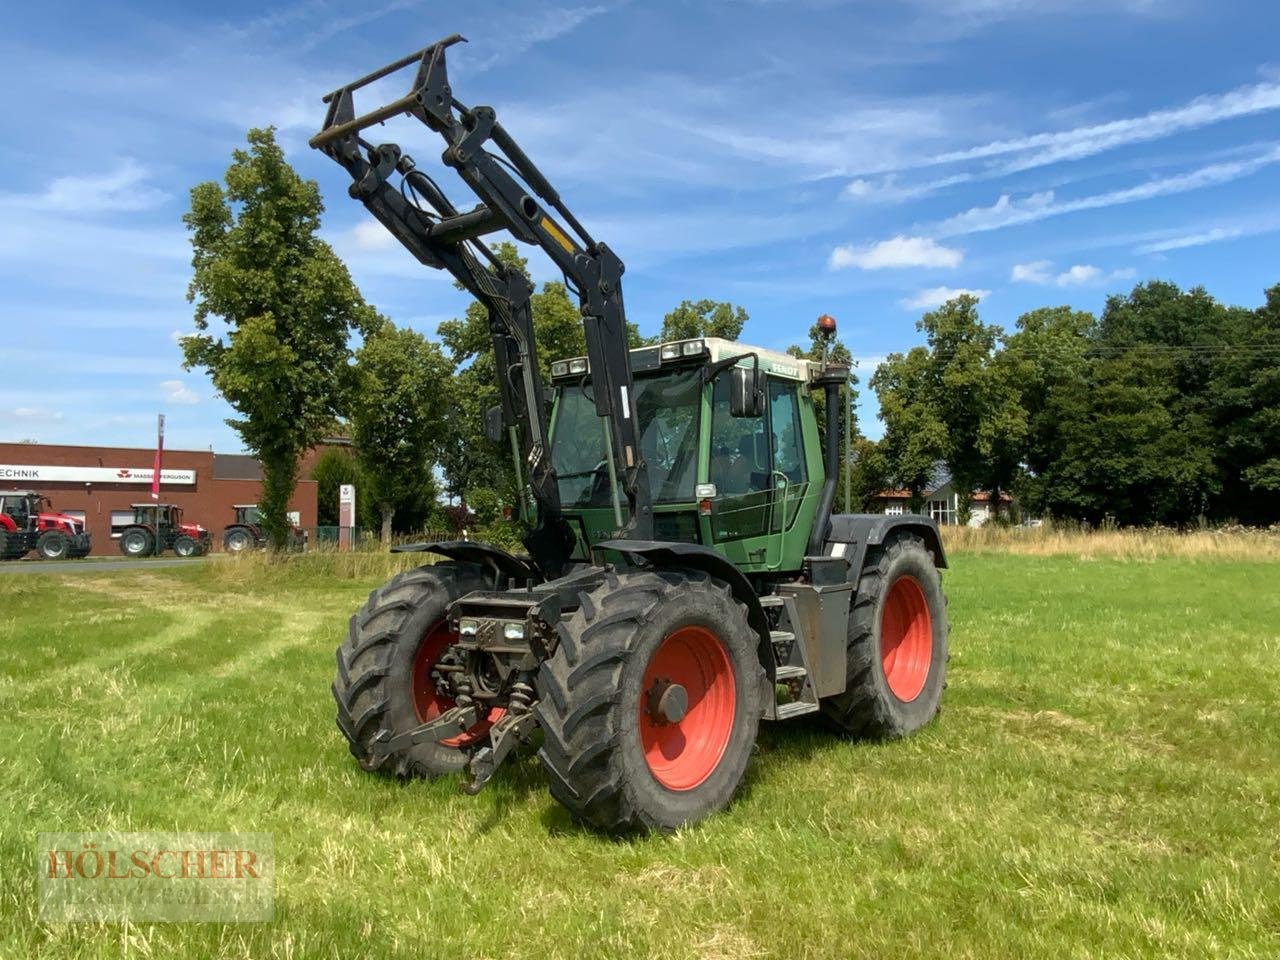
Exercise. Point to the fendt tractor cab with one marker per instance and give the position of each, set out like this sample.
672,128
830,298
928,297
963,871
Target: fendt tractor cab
247,533
158,527
684,575
29,522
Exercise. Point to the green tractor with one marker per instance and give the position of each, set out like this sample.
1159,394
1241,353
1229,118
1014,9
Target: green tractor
685,576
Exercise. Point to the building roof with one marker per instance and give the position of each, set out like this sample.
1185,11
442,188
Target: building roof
236,466
979,496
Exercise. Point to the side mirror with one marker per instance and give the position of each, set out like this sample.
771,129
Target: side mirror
746,392
493,424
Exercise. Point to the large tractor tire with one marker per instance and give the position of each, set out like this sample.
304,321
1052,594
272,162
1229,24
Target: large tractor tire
384,681
12,546
81,546
897,644
237,540
186,547
137,542
650,703
53,545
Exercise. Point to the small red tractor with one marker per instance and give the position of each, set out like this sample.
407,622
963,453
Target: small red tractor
158,527
28,522
247,532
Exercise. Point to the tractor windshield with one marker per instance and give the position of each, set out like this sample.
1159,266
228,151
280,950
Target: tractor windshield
667,411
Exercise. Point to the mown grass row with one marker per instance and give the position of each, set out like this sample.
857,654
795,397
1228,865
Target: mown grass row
1103,782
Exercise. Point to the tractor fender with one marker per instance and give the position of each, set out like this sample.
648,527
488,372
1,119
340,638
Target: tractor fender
471,551
857,531
695,556
7,524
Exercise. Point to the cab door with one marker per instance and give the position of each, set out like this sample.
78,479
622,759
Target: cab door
759,468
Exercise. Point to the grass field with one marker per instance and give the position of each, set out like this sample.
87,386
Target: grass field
1104,781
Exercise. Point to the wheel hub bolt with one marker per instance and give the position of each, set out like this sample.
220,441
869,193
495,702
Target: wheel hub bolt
668,702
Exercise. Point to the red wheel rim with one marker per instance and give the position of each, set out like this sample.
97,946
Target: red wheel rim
906,639
681,755
427,702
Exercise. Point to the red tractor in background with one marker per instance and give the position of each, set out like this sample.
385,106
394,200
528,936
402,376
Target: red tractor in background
158,527
28,522
247,532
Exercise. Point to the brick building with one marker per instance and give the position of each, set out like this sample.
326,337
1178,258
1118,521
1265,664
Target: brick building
99,483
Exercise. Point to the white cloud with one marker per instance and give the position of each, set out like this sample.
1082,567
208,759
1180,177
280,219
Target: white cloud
1037,271
1045,148
896,252
1010,211
120,189
937,296
1200,239
37,413
889,190
371,235
1078,275
175,391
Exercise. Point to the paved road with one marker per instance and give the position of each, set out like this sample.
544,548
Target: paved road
93,566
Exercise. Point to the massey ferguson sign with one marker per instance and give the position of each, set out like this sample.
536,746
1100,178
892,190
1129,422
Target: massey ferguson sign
21,473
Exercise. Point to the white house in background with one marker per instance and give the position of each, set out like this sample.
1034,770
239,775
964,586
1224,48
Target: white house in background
942,502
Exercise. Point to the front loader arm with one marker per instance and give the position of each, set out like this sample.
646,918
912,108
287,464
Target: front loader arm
510,189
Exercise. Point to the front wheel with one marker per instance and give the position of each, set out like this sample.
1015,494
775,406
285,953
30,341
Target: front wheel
897,652
650,703
53,545
186,547
385,677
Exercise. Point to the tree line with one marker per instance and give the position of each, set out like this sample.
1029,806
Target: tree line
1164,409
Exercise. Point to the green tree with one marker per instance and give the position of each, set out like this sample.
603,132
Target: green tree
869,474
1245,407
285,306
1051,344
333,468
977,395
704,318
1186,330
396,416
915,436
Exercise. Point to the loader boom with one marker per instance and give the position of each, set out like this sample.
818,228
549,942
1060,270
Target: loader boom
514,197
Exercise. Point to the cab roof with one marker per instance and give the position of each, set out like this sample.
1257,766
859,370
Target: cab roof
710,350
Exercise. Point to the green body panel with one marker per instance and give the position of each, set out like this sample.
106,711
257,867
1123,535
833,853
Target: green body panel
761,531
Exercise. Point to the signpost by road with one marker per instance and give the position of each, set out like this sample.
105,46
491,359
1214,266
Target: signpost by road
346,515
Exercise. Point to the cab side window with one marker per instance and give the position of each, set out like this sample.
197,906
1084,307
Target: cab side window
739,447
784,418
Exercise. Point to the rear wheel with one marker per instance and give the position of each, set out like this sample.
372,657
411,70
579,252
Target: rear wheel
186,547
897,644
384,680
53,545
650,704
136,542
236,540
12,546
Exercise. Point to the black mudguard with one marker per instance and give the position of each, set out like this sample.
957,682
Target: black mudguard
695,556
857,531
485,554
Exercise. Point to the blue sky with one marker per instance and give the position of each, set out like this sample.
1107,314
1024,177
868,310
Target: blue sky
863,159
